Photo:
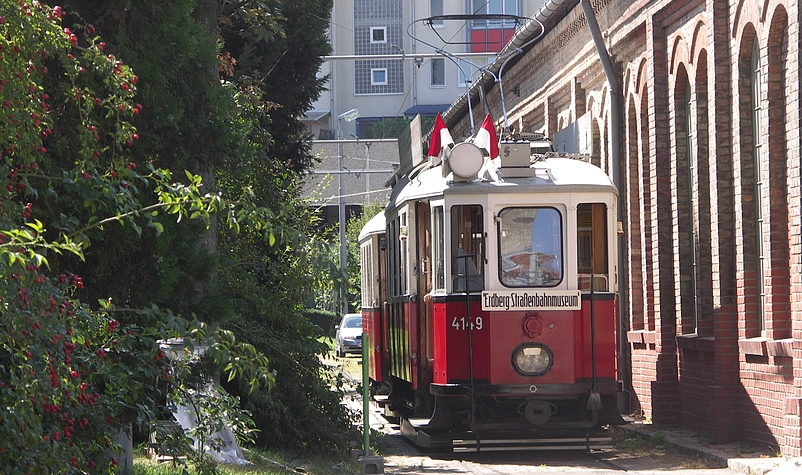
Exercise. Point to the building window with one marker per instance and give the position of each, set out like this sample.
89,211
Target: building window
436,9
438,78
760,183
464,70
490,35
777,228
494,7
378,34
685,205
378,77
699,166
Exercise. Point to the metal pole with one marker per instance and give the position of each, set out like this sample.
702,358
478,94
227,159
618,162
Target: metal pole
341,211
474,428
615,169
365,395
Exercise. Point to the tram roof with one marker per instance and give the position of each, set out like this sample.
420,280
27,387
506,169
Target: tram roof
376,225
552,175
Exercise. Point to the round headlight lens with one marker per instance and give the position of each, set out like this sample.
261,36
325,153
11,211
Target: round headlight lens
466,160
532,359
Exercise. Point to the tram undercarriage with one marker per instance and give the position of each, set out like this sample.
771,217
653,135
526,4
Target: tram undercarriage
442,419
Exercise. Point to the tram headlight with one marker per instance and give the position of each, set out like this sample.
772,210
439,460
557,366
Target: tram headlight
532,359
466,160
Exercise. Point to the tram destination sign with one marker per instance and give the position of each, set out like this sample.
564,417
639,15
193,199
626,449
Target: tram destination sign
518,300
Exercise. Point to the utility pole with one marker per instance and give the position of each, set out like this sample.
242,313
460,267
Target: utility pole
348,116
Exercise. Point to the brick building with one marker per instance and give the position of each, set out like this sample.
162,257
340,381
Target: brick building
696,117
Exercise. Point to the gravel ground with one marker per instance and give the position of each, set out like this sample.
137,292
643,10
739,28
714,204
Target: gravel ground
639,448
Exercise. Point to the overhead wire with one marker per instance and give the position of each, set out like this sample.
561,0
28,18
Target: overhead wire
417,71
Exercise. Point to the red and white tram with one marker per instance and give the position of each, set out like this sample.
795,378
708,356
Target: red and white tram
489,302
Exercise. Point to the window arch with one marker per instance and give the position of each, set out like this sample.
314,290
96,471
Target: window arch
634,204
760,183
751,270
686,240
778,316
647,205
700,191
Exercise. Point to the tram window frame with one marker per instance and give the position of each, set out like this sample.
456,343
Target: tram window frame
368,282
510,270
592,236
392,239
404,254
467,219
396,275
438,248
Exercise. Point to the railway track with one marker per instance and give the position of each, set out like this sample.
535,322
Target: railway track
402,457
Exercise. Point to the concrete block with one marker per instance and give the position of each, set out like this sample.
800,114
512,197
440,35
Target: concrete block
372,464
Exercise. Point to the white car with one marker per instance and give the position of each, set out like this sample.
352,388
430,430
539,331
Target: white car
348,336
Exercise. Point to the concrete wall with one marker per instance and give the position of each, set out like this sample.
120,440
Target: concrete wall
367,166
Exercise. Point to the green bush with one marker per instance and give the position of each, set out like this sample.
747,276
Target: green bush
323,319
73,374
302,413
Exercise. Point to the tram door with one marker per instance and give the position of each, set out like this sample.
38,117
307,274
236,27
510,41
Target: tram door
425,317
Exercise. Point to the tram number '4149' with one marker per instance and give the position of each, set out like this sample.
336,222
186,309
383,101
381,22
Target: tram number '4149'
461,323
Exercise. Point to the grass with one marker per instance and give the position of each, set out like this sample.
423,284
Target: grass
262,463
272,463
636,442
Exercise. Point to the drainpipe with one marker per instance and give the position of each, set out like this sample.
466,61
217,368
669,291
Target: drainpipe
615,91
615,148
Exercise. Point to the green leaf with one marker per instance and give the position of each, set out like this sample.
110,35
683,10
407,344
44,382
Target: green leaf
158,227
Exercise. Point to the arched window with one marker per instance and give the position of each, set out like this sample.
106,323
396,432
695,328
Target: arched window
685,206
634,204
700,198
646,207
760,191
778,278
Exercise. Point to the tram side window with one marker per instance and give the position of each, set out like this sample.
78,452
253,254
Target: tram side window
591,226
394,266
403,253
368,282
467,238
530,247
438,246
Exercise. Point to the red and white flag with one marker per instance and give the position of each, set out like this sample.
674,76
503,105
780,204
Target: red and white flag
441,138
487,139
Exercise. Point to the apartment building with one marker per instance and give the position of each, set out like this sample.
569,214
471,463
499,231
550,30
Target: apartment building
392,60
418,58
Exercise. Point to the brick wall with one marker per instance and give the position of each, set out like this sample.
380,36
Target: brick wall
715,348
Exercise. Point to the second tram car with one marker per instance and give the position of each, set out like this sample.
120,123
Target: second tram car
490,311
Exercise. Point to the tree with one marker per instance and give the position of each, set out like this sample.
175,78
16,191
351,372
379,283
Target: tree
275,49
71,373
242,123
354,265
245,125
